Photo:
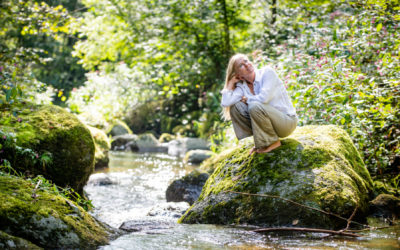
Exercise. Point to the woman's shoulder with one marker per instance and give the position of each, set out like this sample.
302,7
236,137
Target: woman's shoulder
267,69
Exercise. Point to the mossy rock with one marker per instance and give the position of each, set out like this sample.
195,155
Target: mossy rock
46,219
197,156
49,128
187,188
166,137
11,242
102,146
317,166
118,128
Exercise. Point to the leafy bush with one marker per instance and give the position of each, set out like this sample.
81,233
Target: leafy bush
343,68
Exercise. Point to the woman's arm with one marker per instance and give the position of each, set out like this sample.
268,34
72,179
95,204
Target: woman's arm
230,97
270,83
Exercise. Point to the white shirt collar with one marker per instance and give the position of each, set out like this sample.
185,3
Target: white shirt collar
258,76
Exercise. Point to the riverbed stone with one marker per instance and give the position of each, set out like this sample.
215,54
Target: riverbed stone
47,219
169,209
166,137
11,242
317,166
100,179
187,188
180,146
50,130
387,206
197,156
118,127
145,225
102,146
137,143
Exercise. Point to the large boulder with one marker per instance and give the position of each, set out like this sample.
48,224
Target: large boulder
317,166
51,131
46,219
187,188
102,146
180,146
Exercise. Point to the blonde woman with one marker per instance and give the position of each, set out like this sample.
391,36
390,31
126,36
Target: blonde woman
257,103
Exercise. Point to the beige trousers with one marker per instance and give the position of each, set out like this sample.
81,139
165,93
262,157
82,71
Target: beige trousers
263,121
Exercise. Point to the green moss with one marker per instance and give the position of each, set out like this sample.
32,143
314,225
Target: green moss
102,146
118,127
9,242
316,166
45,219
165,137
49,128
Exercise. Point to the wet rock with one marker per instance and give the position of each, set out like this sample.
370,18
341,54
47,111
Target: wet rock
102,146
197,156
52,130
137,143
188,188
165,137
124,142
386,205
170,209
145,225
100,179
180,146
317,166
119,128
11,242
46,219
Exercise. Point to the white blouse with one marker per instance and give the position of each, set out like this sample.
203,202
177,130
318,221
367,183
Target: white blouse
268,88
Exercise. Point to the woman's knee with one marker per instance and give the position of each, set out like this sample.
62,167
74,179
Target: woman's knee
255,107
239,108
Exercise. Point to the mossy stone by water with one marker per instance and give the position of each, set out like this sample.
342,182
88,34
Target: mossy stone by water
49,128
102,146
317,166
45,219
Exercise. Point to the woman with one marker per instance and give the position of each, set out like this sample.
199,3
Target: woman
257,103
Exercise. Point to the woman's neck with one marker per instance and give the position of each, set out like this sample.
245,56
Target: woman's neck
251,78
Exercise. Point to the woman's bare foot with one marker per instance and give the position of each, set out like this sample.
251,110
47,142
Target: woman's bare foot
270,147
253,150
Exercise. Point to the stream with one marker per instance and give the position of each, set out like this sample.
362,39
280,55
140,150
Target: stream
139,185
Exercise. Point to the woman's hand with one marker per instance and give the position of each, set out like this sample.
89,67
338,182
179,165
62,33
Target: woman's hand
244,99
232,83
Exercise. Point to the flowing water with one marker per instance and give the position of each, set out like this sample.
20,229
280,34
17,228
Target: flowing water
139,185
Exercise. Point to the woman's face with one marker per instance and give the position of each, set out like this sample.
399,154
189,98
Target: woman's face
244,69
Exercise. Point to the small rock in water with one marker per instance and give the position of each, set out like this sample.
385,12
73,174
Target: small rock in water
170,209
145,225
100,179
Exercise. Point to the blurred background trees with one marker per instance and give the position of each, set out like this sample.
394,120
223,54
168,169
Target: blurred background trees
159,65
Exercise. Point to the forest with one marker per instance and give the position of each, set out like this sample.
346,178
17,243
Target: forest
159,67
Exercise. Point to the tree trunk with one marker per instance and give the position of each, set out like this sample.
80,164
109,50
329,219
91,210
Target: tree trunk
226,28
273,11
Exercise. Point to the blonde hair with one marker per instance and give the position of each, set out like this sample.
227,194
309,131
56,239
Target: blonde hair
230,73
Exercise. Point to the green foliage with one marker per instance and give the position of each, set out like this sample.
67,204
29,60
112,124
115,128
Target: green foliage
13,156
67,193
343,68
46,185
33,47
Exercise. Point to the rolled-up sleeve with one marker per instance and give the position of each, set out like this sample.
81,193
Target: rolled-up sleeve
270,84
230,97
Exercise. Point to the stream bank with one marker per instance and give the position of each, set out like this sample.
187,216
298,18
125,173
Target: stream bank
139,185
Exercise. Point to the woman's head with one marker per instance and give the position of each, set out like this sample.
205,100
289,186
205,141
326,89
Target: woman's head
240,66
